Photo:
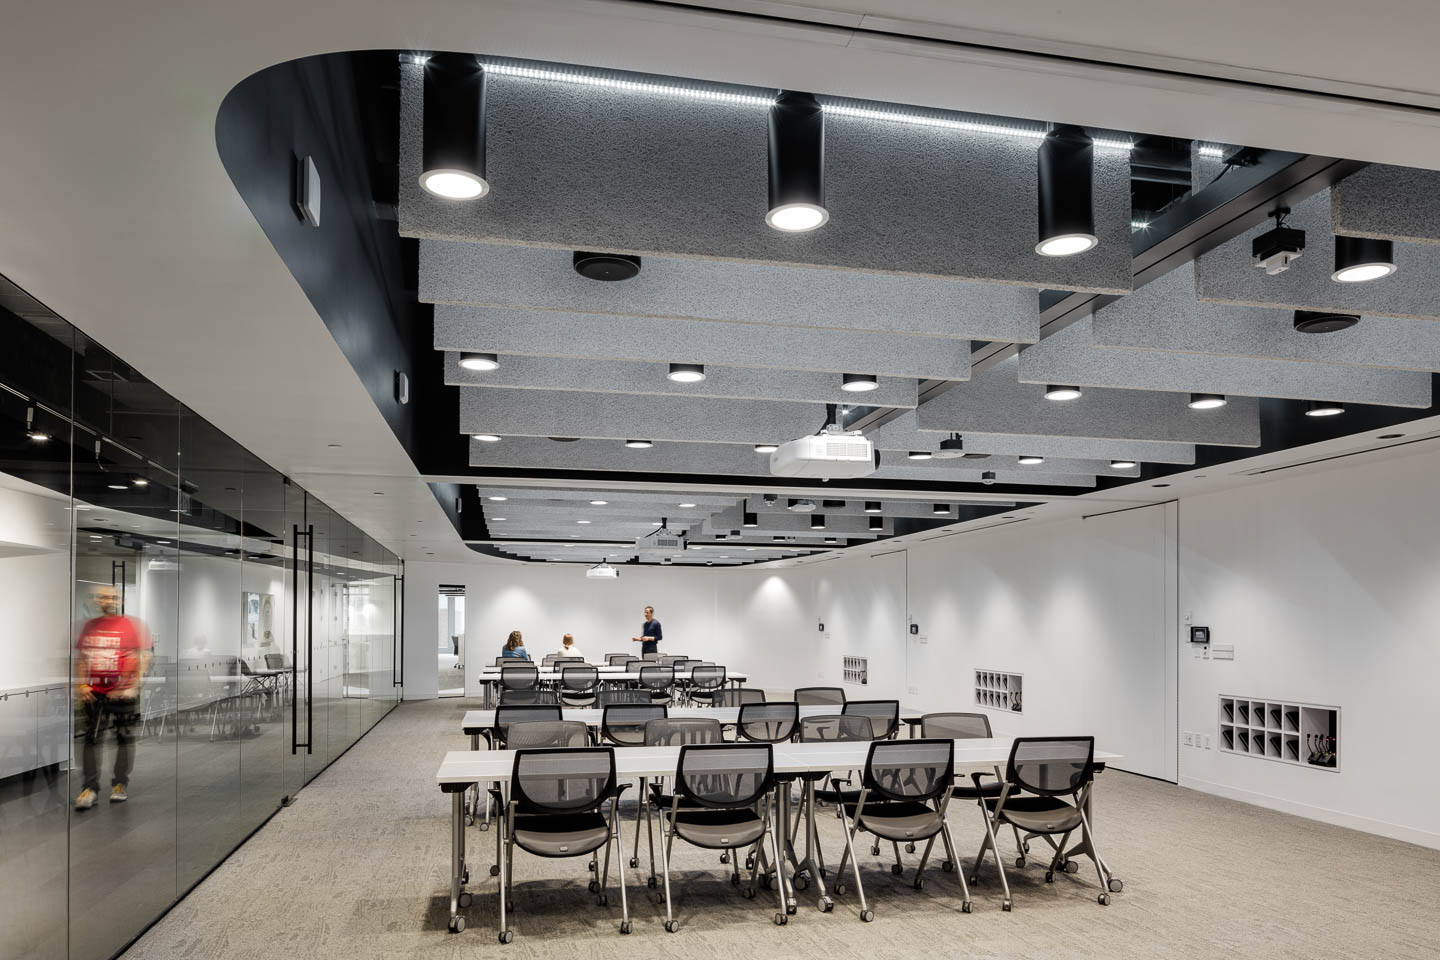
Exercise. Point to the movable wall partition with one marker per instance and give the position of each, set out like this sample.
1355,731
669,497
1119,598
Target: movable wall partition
264,629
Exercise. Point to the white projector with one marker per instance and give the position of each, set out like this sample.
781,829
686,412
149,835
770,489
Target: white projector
834,454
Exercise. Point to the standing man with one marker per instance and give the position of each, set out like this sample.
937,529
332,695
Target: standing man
111,656
651,634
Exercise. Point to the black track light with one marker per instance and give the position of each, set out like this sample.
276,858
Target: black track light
877,523
1361,259
941,509
951,448
817,521
453,163
872,506
797,163
749,520
1065,174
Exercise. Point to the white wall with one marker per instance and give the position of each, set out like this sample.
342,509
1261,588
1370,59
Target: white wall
1328,585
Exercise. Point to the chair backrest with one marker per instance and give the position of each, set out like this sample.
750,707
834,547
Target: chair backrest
668,660
579,679
657,679
815,696
564,658
564,780
1051,766
624,723
707,677
274,661
677,731
548,659
604,698
634,664
735,697
614,658
956,726
537,734
768,722
725,774
650,656
884,715
510,713
502,660
910,769
519,676
531,695
835,726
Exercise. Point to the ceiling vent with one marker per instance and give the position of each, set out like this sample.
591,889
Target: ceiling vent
606,266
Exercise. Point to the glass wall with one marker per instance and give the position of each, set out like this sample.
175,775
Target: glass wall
182,622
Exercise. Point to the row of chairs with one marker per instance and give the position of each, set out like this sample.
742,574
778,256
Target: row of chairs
579,685
721,796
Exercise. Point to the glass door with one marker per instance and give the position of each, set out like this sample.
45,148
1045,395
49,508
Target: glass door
306,754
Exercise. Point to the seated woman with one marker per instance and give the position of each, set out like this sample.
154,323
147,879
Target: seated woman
515,647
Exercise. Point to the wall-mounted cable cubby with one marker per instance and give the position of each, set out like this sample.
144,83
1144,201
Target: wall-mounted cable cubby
1306,734
997,690
855,670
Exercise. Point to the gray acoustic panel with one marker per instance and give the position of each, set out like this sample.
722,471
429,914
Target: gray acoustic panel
855,508
598,336
655,174
556,495
628,376
903,434
541,278
1228,274
533,413
531,511
974,474
1070,356
773,520
996,402
1165,316
718,459
1389,203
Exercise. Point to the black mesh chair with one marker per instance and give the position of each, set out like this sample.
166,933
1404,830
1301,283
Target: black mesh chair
538,695
969,726
722,801
538,734
613,658
561,659
633,664
547,660
659,681
705,681
775,722
578,685
737,696
668,732
613,695
1056,775
884,715
819,696
624,724
819,786
903,796
508,714
556,809
500,661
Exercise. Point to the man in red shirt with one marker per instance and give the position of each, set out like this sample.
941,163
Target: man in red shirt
111,656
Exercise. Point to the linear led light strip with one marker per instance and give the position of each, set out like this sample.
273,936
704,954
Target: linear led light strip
1211,150
713,95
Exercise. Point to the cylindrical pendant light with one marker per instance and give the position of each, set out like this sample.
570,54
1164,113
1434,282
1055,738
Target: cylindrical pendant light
453,154
1360,259
797,163
1207,401
1065,174
686,372
872,506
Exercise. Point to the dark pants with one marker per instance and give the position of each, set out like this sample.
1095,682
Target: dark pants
123,714
648,646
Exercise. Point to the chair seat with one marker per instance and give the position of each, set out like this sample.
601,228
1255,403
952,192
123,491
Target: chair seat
897,819
1039,814
561,835
719,829
837,795
968,792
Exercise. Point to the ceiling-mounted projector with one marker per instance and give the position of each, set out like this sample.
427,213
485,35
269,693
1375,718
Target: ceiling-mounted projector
602,571
834,454
801,506
660,544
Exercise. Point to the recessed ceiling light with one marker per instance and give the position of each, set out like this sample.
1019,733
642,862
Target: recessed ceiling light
1122,464
497,499
748,519
686,506
639,444
485,437
479,361
872,506
39,436
377,493
454,184
656,523
941,509
1058,392
499,518
582,521
162,541
1207,401
117,486
686,372
877,523
920,455
1383,436
1161,484
858,382
334,445
140,482
1361,259
1030,461
598,503
766,447
1322,408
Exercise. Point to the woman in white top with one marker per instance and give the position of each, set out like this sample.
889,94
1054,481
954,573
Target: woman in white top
568,648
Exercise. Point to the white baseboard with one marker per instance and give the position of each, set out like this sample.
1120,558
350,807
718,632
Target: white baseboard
1395,831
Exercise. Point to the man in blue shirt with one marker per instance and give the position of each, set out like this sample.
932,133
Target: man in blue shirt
651,633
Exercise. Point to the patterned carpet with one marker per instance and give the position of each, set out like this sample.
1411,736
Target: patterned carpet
357,869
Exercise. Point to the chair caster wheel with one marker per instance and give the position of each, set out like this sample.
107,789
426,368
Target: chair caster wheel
725,857
650,882
867,915
1072,866
1020,862
909,848
948,866
748,893
749,863
465,877
457,924
826,905
603,899
1025,846
593,886
734,879
966,907
1104,899
1006,906
506,936
801,881
975,878
464,899
672,925
484,824
494,869
840,889
875,850
634,863
791,908
781,919
1116,885
919,883
626,927
469,821
896,869
593,866
1049,876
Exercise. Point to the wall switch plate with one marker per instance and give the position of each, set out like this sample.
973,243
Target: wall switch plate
1207,741
1189,739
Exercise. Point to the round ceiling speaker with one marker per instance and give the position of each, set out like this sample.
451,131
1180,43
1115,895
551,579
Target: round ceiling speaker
606,266
1323,321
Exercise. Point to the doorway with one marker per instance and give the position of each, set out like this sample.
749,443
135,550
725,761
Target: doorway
451,640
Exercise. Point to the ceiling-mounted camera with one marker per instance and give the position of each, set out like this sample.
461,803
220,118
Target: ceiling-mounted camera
1275,249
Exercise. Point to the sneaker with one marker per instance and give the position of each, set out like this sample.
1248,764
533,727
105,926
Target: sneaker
86,800
118,794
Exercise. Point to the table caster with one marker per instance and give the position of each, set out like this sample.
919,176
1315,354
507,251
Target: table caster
948,866
1116,884
1006,906
672,925
1072,866
494,869
867,915
781,919
634,863
801,881
650,882
593,886
909,848
919,883
603,900
626,926
484,824
725,857
1020,862
840,889
464,899
1049,876
734,879
896,869
506,936
457,924
791,908
966,906
826,905
1104,899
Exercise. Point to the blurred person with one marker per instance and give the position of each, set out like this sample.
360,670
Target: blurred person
515,647
568,647
651,634
111,657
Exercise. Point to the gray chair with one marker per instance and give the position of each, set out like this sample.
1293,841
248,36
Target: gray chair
823,787
659,681
613,658
624,724
612,695
819,696
968,726
722,801
540,734
884,715
775,722
556,808
1056,775
706,680
903,796
536,695
738,696
507,715
578,685
650,656
668,732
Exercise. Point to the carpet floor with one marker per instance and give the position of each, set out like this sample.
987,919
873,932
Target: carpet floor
358,867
